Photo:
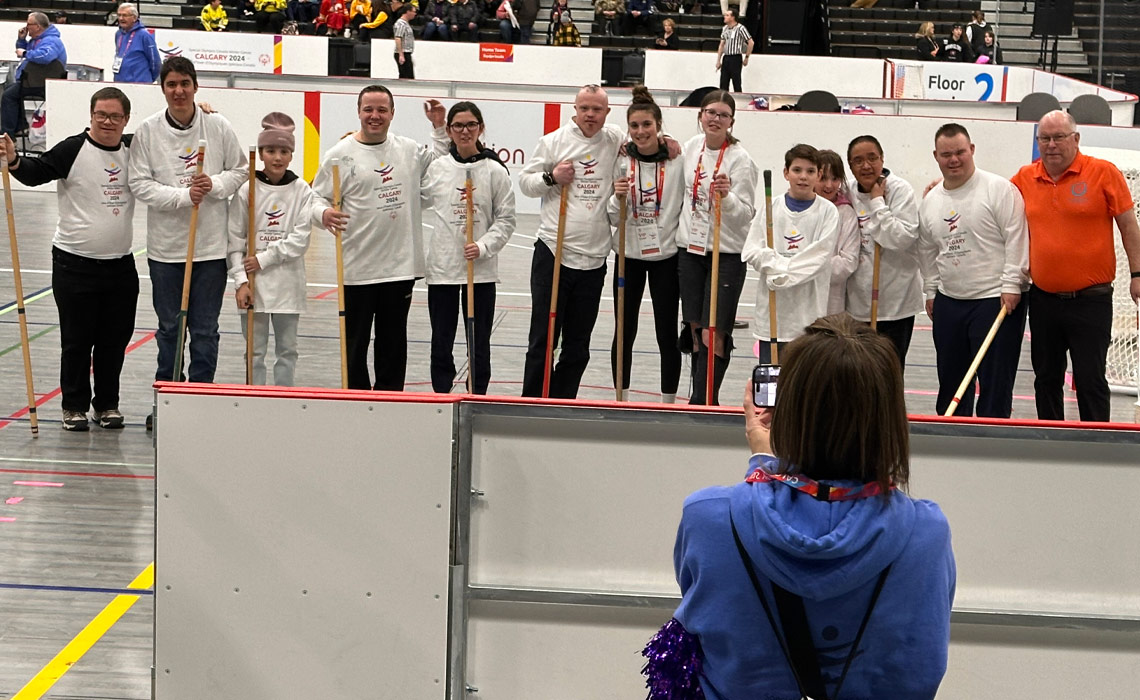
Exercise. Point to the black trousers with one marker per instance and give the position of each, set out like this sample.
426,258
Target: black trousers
446,304
579,293
960,326
665,291
405,70
899,333
384,305
730,68
1083,327
96,301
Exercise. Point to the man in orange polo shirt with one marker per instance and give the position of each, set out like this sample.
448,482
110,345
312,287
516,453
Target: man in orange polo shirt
1071,200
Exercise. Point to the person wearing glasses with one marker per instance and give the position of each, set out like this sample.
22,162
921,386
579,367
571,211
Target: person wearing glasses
974,251
714,163
732,54
136,55
444,194
1071,202
95,284
887,213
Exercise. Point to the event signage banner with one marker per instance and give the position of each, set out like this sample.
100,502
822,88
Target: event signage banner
220,51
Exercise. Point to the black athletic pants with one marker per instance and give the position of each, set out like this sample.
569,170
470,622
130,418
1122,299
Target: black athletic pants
579,293
665,291
899,333
447,305
1081,325
96,301
384,305
960,326
730,68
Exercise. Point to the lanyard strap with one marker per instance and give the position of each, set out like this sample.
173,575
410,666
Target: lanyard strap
813,488
119,44
697,173
635,164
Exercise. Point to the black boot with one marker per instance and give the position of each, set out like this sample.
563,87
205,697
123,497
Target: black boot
700,360
720,366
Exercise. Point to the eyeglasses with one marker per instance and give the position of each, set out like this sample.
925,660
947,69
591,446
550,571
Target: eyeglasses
466,126
1058,138
105,117
870,159
713,114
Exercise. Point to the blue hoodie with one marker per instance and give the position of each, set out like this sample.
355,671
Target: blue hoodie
45,48
830,554
140,61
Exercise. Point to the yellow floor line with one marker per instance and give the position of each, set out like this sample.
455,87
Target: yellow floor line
86,639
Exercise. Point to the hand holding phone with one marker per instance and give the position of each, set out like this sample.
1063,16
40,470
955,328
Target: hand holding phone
764,381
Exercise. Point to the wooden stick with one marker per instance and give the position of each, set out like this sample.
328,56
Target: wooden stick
25,344
977,361
187,273
554,293
250,251
337,204
773,335
470,283
714,288
619,383
875,286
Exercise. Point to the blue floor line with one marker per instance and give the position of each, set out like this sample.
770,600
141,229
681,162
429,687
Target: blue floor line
76,589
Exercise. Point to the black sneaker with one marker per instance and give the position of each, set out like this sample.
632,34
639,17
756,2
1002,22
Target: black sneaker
110,419
74,420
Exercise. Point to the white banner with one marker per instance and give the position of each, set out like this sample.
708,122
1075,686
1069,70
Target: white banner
950,81
221,51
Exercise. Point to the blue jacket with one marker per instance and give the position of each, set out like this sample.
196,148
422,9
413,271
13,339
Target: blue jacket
45,48
830,554
140,55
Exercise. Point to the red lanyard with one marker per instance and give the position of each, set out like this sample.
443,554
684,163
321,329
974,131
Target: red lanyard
634,164
697,173
119,44
816,490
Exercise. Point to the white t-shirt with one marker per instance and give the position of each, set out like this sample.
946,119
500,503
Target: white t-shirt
893,224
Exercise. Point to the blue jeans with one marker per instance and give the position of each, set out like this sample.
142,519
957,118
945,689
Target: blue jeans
207,286
12,117
431,29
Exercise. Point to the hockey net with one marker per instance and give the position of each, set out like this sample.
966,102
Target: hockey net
1123,368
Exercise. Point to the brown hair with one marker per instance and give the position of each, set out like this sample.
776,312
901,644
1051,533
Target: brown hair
831,163
723,97
801,151
840,412
112,93
375,88
643,102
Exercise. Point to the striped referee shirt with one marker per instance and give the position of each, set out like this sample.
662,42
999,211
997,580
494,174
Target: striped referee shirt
735,39
403,31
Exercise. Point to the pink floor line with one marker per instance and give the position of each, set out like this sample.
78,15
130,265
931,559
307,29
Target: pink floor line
53,484
7,520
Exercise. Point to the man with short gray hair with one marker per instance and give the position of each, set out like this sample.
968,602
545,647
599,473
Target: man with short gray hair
136,55
39,42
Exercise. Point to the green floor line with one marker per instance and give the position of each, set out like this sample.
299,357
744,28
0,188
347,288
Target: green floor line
10,348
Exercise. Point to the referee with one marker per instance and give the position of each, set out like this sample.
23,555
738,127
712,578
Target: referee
405,42
732,54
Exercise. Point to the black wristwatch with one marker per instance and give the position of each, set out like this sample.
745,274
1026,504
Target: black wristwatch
548,178
1136,274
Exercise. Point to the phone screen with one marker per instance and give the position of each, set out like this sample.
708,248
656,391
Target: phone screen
764,381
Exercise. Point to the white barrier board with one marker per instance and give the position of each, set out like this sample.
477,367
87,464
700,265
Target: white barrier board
493,63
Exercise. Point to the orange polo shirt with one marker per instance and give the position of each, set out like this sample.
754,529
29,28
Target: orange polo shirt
1070,222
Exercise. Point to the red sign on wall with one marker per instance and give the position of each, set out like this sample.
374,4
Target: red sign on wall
497,53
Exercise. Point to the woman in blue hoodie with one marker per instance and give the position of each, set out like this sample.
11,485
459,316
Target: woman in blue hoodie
818,559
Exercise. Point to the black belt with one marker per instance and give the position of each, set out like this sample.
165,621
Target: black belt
1097,290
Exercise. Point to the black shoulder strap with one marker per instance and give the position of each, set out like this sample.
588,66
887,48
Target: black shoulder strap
796,643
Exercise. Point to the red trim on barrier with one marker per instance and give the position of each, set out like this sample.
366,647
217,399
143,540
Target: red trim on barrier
551,117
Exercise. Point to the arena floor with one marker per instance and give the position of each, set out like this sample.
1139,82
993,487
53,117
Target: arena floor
78,512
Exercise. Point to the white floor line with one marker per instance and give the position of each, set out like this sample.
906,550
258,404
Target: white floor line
32,460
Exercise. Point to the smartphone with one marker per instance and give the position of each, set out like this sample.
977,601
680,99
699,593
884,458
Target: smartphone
764,381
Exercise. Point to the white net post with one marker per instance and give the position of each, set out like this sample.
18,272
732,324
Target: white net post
1123,366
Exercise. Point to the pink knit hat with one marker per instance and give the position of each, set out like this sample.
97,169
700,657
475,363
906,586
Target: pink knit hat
276,130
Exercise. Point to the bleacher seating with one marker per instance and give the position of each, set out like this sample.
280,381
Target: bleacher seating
1121,37
887,30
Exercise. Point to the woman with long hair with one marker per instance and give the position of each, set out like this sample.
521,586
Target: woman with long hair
833,187
444,195
715,167
818,576
926,45
653,189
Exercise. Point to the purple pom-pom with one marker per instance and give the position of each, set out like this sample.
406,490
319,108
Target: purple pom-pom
673,667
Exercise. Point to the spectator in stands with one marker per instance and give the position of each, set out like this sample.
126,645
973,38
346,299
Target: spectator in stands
333,18
136,56
559,8
436,26
611,15
269,15
639,14
303,11
214,17
567,34
732,54
505,14
405,42
526,11
990,50
668,38
39,43
61,18
359,12
463,17
976,31
955,48
926,45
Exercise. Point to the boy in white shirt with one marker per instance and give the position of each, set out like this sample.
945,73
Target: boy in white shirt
798,266
282,204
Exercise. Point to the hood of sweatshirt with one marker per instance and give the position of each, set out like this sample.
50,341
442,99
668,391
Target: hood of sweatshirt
660,156
819,549
486,153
